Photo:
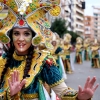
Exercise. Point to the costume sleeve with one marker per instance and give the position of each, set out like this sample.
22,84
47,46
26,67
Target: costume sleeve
51,75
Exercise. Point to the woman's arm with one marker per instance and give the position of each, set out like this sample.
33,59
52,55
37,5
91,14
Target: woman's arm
52,76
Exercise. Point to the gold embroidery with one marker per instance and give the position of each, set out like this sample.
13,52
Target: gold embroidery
57,83
2,63
30,96
19,58
9,71
35,68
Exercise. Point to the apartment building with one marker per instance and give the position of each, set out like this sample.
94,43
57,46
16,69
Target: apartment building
88,23
96,23
73,12
78,17
66,12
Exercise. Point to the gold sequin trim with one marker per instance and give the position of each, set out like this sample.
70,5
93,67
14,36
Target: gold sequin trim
69,98
19,58
30,96
55,84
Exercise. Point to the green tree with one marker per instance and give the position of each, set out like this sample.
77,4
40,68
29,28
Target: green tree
74,36
59,26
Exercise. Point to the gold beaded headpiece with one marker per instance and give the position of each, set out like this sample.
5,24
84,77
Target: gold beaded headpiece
27,13
79,40
67,38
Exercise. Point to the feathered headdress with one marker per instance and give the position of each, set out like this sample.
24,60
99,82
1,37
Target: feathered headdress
67,38
79,40
30,13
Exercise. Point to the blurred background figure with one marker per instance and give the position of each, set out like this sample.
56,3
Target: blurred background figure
66,53
86,46
95,61
79,50
1,49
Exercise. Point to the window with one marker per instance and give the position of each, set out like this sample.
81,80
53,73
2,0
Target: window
95,14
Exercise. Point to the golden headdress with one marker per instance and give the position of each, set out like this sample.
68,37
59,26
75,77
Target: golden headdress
95,42
87,40
67,38
79,40
30,13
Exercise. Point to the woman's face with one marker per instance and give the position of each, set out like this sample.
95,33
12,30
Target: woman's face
54,43
22,39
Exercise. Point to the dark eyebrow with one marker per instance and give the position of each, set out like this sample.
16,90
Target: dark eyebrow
28,30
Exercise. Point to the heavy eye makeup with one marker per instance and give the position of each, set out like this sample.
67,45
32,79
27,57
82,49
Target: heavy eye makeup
16,33
27,33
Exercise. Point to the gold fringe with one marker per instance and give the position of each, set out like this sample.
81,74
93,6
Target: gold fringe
30,96
55,84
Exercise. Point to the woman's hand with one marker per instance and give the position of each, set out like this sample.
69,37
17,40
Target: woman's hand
15,84
89,89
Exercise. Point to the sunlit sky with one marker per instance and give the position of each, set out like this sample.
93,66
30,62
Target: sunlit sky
89,4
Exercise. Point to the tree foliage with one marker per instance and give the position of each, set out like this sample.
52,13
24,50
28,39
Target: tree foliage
59,26
74,36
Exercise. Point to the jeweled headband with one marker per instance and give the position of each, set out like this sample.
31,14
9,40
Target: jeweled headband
28,13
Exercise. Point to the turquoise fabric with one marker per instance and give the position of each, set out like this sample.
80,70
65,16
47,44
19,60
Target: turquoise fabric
41,92
4,55
80,53
1,90
59,49
59,66
14,63
68,57
50,74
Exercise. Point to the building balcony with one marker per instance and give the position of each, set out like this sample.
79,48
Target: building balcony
79,23
80,11
78,3
79,30
79,17
87,32
66,8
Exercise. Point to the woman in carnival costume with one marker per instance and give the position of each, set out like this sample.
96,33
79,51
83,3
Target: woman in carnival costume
86,47
66,53
95,60
79,49
24,70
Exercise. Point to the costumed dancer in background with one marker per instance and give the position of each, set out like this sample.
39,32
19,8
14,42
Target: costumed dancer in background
1,49
66,53
79,50
95,59
55,52
86,47
23,70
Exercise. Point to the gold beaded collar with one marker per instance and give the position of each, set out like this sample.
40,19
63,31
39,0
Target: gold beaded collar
19,58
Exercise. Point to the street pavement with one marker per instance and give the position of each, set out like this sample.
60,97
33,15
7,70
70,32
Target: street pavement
80,74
